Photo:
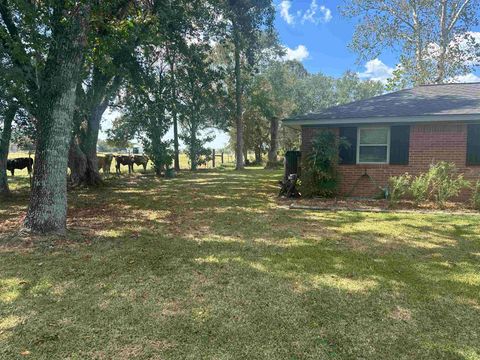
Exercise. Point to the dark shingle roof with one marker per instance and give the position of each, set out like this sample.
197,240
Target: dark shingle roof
444,99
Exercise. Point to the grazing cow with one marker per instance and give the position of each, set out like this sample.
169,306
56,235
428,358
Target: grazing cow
105,163
124,160
140,160
20,164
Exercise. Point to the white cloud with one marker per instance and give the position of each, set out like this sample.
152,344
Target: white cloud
285,6
468,43
315,14
299,54
327,13
468,78
376,70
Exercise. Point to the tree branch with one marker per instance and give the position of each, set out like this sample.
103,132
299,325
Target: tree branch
456,16
14,46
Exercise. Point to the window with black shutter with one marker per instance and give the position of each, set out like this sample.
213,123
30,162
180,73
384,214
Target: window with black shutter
373,145
348,155
473,144
399,144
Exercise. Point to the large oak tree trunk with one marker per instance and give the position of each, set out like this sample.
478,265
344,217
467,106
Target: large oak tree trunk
77,162
238,108
4,146
98,96
47,212
89,145
272,151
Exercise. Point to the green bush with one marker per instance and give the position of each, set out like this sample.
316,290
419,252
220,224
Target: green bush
319,168
398,187
476,196
441,183
446,183
419,188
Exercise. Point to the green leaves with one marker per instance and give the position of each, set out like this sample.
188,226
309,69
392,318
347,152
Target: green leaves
319,174
430,37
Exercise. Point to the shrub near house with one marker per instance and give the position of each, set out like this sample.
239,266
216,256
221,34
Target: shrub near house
441,183
401,132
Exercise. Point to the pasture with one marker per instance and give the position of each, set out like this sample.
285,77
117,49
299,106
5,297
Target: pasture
211,265
184,163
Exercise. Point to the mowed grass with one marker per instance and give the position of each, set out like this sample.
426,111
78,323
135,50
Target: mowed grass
211,265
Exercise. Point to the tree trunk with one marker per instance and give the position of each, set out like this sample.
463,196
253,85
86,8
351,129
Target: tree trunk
97,98
4,147
176,157
77,162
238,101
419,61
89,145
258,155
157,157
443,43
193,148
47,212
272,151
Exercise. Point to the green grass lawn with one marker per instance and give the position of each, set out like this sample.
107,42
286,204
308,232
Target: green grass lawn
211,265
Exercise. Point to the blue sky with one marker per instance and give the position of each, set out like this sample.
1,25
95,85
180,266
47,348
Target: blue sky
318,35
315,33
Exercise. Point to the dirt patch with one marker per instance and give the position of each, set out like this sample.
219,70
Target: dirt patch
380,205
12,224
401,314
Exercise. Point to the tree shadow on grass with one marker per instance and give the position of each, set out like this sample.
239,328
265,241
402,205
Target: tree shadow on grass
183,268
234,299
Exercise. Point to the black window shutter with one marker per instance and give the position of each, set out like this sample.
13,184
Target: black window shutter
473,144
348,155
399,144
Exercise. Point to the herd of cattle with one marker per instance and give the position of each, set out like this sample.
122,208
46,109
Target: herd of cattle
104,163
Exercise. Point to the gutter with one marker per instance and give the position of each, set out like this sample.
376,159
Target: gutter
381,120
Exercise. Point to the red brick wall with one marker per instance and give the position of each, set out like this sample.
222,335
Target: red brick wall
429,143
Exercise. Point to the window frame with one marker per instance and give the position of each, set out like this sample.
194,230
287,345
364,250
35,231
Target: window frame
359,129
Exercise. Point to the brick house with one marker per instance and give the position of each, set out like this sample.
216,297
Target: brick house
403,131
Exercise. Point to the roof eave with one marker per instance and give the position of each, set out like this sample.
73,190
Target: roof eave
380,120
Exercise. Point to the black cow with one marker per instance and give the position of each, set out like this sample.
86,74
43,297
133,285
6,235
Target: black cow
124,160
140,160
20,164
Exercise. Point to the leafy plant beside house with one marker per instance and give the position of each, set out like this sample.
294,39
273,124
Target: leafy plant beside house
440,183
476,196
319,173
419,188
445,182
398,187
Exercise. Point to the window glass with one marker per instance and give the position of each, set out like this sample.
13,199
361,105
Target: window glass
373,154
373,145
374,136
